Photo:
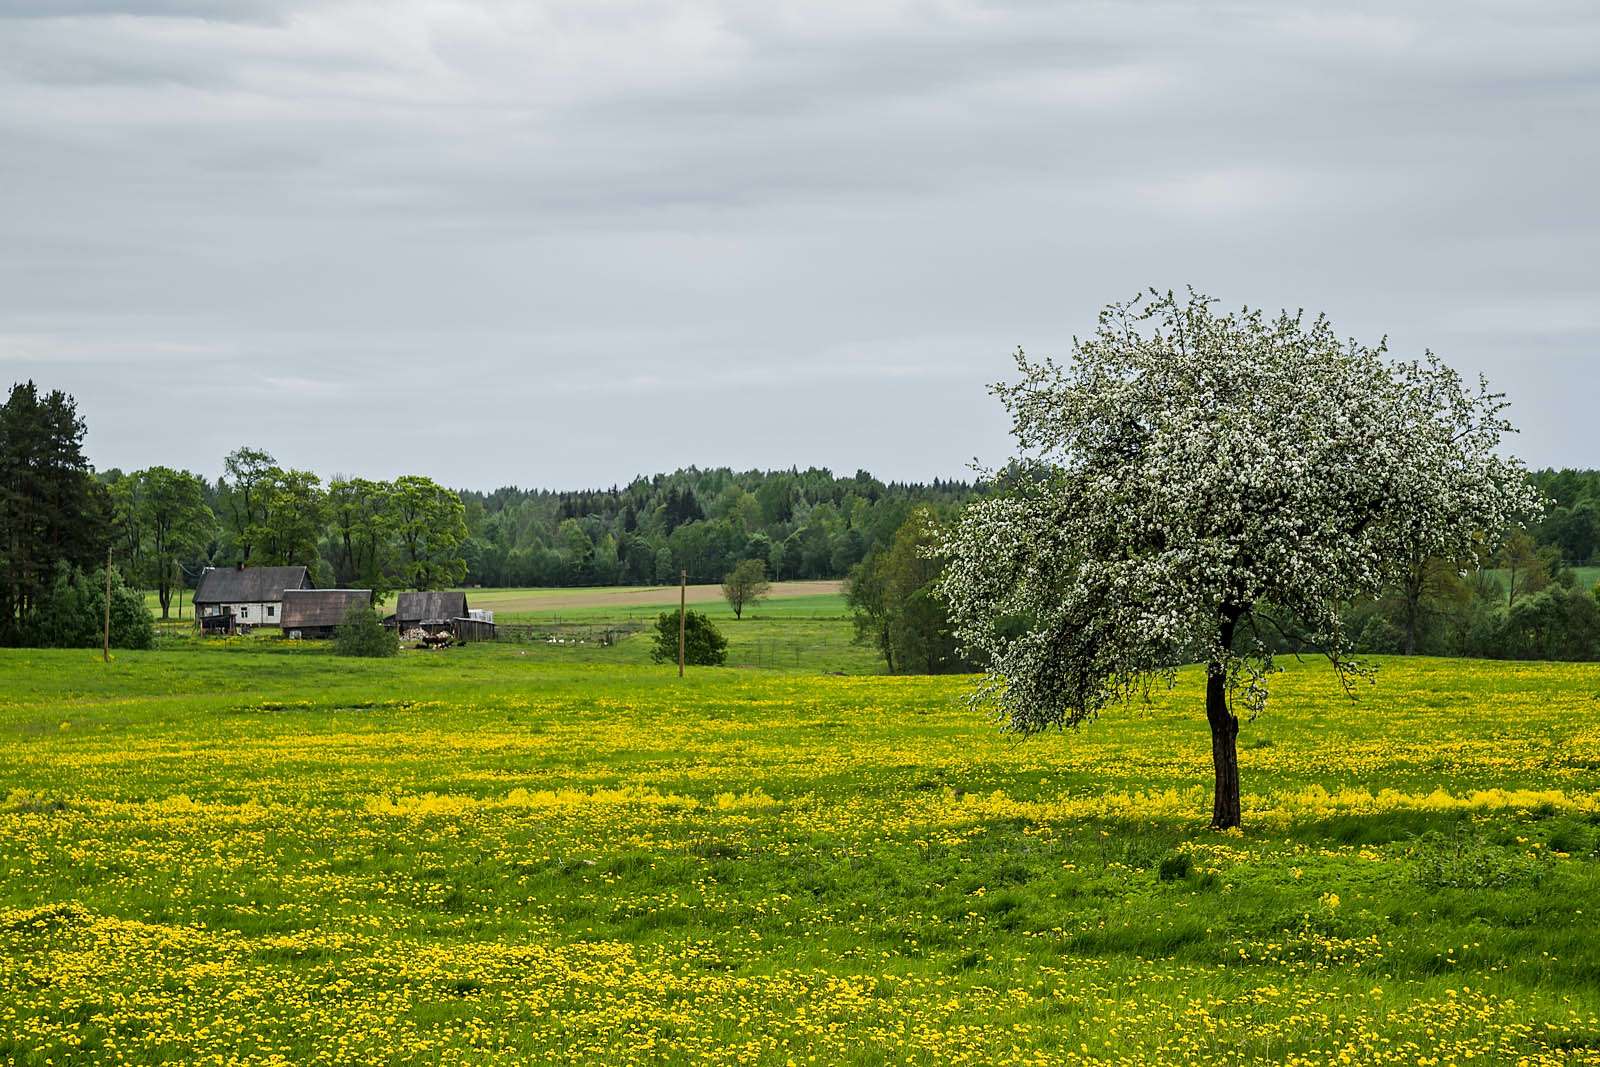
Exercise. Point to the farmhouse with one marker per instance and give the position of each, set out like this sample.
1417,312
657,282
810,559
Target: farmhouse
429,609
315,612
249,596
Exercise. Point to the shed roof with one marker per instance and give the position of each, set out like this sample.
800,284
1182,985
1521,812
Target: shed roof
320,607
431,605
248,585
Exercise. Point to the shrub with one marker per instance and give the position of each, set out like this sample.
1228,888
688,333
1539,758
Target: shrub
1175,867
72,614
363,634
703,643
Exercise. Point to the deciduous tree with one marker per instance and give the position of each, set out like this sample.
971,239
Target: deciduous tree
430,524
703,643
1192,476
745,586
360,513
247,475
294,512
174,523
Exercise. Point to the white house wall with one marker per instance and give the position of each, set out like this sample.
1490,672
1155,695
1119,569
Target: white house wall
253,613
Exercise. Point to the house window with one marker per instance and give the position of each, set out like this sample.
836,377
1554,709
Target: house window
272,609
244,611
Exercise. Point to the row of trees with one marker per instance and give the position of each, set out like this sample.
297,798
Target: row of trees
797,524
170,524
414,533
1569,525
1522,602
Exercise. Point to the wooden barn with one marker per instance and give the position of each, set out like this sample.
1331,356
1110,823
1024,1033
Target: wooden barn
315,612
229,597
430,610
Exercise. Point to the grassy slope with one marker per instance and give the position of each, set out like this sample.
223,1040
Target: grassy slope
255,849
1586,577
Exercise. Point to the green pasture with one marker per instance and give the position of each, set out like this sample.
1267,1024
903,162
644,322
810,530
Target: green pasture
250,851
1586,577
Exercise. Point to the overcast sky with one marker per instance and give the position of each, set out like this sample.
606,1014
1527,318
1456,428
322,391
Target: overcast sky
560,244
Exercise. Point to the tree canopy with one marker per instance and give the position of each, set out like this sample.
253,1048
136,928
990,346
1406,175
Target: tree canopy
703,643
745,586
52,511
1192,481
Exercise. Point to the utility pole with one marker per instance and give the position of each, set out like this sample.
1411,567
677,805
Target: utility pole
683,602
105,651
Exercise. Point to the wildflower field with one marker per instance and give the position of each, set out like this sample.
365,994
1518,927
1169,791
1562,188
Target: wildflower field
241,853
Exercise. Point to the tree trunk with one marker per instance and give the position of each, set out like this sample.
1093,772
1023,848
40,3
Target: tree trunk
1224,748
1224,737
1413,612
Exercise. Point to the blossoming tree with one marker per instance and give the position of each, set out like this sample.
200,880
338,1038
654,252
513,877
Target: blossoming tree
1192,482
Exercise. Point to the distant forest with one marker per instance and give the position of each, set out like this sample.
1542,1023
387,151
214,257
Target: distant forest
801,523
161,527
412,532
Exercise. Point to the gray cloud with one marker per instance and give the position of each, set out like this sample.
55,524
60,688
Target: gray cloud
586,240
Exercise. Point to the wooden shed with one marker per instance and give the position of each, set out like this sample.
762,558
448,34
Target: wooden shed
315,612
431,609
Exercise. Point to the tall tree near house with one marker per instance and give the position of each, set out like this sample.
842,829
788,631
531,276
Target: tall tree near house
1198,475
359,511
293,515
247,477
175,522
430,526
745,586
125,493
52,511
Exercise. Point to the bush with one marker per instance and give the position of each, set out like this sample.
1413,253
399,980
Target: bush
1175,867
703,643
72,614
363,634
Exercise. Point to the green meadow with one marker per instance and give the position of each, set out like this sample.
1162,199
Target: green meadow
251,851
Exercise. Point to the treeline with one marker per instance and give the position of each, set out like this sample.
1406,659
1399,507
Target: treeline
412,533
1525,601
163,526
1570,526
169,525
799,524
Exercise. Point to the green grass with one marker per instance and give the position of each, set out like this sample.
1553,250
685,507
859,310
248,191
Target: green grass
1586,577
254,850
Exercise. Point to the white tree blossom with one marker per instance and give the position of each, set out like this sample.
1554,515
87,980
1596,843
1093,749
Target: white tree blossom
1189,480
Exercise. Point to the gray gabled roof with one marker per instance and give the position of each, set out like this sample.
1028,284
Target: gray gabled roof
229,585
430,606
320,607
